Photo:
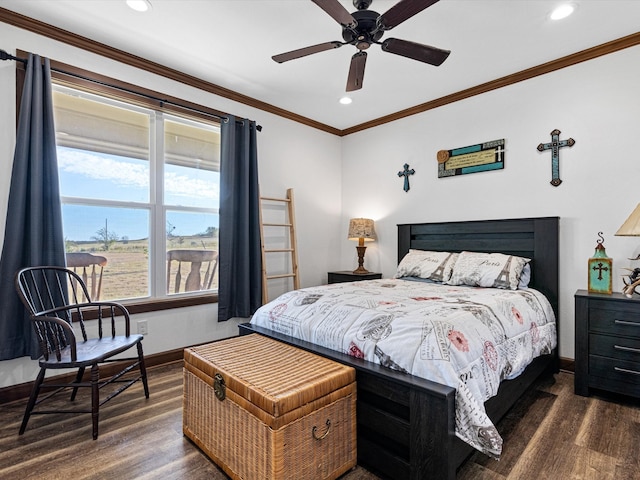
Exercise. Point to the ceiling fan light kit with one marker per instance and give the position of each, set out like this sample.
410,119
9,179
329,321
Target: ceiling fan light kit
364,28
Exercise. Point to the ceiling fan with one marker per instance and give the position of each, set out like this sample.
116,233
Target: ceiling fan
363,28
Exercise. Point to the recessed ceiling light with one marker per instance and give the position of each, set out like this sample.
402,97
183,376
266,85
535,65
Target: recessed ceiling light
139,5
562,11
345,100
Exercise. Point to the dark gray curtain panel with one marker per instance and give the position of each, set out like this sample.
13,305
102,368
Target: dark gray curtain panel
240,265
33,229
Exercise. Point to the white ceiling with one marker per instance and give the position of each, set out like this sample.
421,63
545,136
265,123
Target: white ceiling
230,43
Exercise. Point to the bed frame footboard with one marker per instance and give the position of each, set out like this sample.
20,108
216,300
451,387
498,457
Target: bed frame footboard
405,431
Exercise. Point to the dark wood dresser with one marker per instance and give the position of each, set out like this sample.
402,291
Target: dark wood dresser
607,343
349,276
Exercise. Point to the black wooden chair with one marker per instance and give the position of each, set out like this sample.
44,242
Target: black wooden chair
57,300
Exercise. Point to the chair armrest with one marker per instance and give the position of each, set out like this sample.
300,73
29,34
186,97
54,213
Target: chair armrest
114,310
41,324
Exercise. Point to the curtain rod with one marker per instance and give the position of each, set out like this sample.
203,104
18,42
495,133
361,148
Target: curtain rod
6,56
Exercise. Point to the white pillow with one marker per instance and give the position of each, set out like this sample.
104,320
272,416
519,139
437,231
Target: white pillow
495,270
525,278
435,266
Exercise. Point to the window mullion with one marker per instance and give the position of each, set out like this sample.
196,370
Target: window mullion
158,227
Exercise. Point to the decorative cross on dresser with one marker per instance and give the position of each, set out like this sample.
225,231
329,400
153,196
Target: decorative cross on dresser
555,146
405,173
600,267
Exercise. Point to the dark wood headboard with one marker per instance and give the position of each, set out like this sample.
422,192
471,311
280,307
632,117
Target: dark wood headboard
534,238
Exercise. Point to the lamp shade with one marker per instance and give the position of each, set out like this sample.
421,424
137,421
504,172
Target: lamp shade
631,226
361,228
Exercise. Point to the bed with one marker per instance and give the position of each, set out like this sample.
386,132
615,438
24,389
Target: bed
406,424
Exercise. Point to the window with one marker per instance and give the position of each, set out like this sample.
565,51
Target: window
140,195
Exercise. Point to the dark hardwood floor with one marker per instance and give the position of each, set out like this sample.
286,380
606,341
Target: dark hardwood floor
551,434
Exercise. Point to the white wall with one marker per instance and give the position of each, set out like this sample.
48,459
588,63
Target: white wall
288,154
596,103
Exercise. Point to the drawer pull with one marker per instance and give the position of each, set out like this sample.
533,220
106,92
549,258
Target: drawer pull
624,370
626,349
627,323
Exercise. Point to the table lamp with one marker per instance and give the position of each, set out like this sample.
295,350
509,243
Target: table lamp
361,229
631,228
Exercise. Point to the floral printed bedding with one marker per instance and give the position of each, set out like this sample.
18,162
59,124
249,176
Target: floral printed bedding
465,337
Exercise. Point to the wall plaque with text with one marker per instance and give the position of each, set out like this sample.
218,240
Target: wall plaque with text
474,158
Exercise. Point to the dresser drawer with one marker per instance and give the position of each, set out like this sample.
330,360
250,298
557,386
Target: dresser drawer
614,375
615,347
615,321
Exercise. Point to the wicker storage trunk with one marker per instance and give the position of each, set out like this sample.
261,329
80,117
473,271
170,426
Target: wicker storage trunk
264,410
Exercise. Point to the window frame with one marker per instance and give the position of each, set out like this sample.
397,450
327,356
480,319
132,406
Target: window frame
97,84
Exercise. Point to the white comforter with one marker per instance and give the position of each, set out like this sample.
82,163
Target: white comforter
464,337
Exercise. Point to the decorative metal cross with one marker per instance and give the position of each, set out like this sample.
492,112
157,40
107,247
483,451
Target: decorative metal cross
405,173
600,267
555,146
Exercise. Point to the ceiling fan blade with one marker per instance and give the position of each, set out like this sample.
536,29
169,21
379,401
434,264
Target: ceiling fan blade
416,51
356,71
402,11
303,52
337,12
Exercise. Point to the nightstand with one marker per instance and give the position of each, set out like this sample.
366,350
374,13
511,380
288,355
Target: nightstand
348,276
607,343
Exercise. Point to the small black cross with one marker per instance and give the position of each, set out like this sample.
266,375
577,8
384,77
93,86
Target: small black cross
405,173
600,269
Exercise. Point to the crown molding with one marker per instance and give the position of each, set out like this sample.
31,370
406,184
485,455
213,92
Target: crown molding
563,62
55,33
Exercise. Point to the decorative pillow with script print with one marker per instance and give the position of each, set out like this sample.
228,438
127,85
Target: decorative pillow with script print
495,270
436,266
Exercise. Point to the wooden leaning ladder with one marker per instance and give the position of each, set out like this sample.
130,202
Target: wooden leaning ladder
291,249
